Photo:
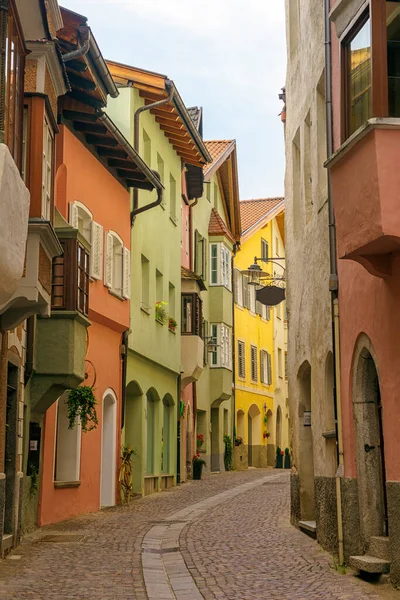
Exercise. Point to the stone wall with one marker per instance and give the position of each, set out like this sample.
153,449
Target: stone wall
240,457
326,513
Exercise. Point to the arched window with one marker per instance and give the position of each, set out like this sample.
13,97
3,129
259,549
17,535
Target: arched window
67,444
81,219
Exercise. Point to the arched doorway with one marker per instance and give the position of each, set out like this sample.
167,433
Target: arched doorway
108,449
254,434
278,435
152,432
370,457
134,415
329,418
306,447
166,434
240,431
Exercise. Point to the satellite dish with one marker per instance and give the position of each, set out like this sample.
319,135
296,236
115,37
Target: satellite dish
270,295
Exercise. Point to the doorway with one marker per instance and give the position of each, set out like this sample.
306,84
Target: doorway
370,455
108,450
253,434
10,466
215,454
306,444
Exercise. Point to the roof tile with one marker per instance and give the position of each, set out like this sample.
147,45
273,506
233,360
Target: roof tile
216,148
251,211
218,227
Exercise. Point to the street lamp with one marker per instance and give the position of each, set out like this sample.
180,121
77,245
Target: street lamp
255,273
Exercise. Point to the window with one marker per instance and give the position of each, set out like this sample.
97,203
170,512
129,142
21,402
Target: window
204,335
172,199
159,286
220,265
254,366
265,367
145,288
259,305
264,249
47,169
266,312
160,171
393,57
67,445
238,287
200,255
221,336
11,120
192,314
246,291
70,284
146,149
117,266
280,363
81,218
252,293
241,359
357,60
171,300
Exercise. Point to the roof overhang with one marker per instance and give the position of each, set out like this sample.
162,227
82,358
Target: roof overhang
278,209
173,117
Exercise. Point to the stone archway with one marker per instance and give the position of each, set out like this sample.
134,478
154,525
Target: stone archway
167,434
369,441
306,447
254,435
152,432
134,417
108,449
240,432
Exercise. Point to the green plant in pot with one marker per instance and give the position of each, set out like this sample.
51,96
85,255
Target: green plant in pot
279,458
228,454
161,312
82,403
172,324
198,464
287,459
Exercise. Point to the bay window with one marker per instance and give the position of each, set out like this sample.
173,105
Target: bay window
47,169
192,317
221,338
70,284
220,265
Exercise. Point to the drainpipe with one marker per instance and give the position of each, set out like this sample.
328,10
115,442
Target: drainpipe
124,358
235,248
333,283
136,210
82,50
179,431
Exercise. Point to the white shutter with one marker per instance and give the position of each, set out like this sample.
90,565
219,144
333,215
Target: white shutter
269,368
73,215
126,274
108,260
221,278
96,255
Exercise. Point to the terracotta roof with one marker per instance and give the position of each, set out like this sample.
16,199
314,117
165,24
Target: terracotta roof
191,275
218,227
219,150
252,211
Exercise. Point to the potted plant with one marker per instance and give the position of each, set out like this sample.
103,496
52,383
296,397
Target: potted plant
266,435
279,458
199,441
161,312
198,466
238,441
287,458
228,454
172,324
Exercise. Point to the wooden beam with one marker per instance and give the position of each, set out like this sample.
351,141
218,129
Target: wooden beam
117,163
168,116
171,125
77,66
171,121
162,109
181,139
190,158
90,127
150,95
143,185
73,115
82,97
81,83
110,153
133,175
97,140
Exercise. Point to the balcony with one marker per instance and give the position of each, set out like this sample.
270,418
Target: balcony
365,180
33,294
192,358
60,342
15,201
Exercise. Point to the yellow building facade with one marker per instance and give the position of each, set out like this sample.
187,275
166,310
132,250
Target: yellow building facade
261,415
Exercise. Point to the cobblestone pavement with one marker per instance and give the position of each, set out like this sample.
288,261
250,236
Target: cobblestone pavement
226,537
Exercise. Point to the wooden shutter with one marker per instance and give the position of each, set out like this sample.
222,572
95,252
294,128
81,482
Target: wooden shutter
254,363
126,273
241,359
196,253
96,255
204,258
73,215
262,359
236,286
108,260
246,299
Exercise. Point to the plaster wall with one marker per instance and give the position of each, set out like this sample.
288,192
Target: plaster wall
306,235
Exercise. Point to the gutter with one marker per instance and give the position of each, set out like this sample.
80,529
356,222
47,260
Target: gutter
90,45
333,283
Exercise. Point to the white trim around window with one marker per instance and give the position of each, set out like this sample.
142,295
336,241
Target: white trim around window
117,266
221,335
220,265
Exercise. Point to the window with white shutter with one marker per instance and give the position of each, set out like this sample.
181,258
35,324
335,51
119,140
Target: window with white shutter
254,365
269,367
241,359
96,253
126,276
246,292
81,219
220,265
116,265
252,293
264,249
108,259
221,335
238,287
264,372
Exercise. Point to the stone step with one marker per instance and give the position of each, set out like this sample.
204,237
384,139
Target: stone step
379,547
369,564
309,527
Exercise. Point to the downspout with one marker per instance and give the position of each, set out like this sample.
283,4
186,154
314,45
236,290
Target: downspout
136,210
82,50
235,248
124,358
333,283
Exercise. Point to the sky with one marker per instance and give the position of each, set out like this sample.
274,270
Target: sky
228,56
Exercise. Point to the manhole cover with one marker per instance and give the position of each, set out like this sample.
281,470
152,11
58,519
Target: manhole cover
57,539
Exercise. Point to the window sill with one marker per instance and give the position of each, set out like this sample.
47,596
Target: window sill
116,295
63,485
163,205
172,330
174,220
159,321
145,309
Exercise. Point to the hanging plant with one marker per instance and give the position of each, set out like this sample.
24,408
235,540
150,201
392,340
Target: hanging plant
182,409
82,403
265,419
161,313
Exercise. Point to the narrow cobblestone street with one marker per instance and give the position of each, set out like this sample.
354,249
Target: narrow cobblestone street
226,537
